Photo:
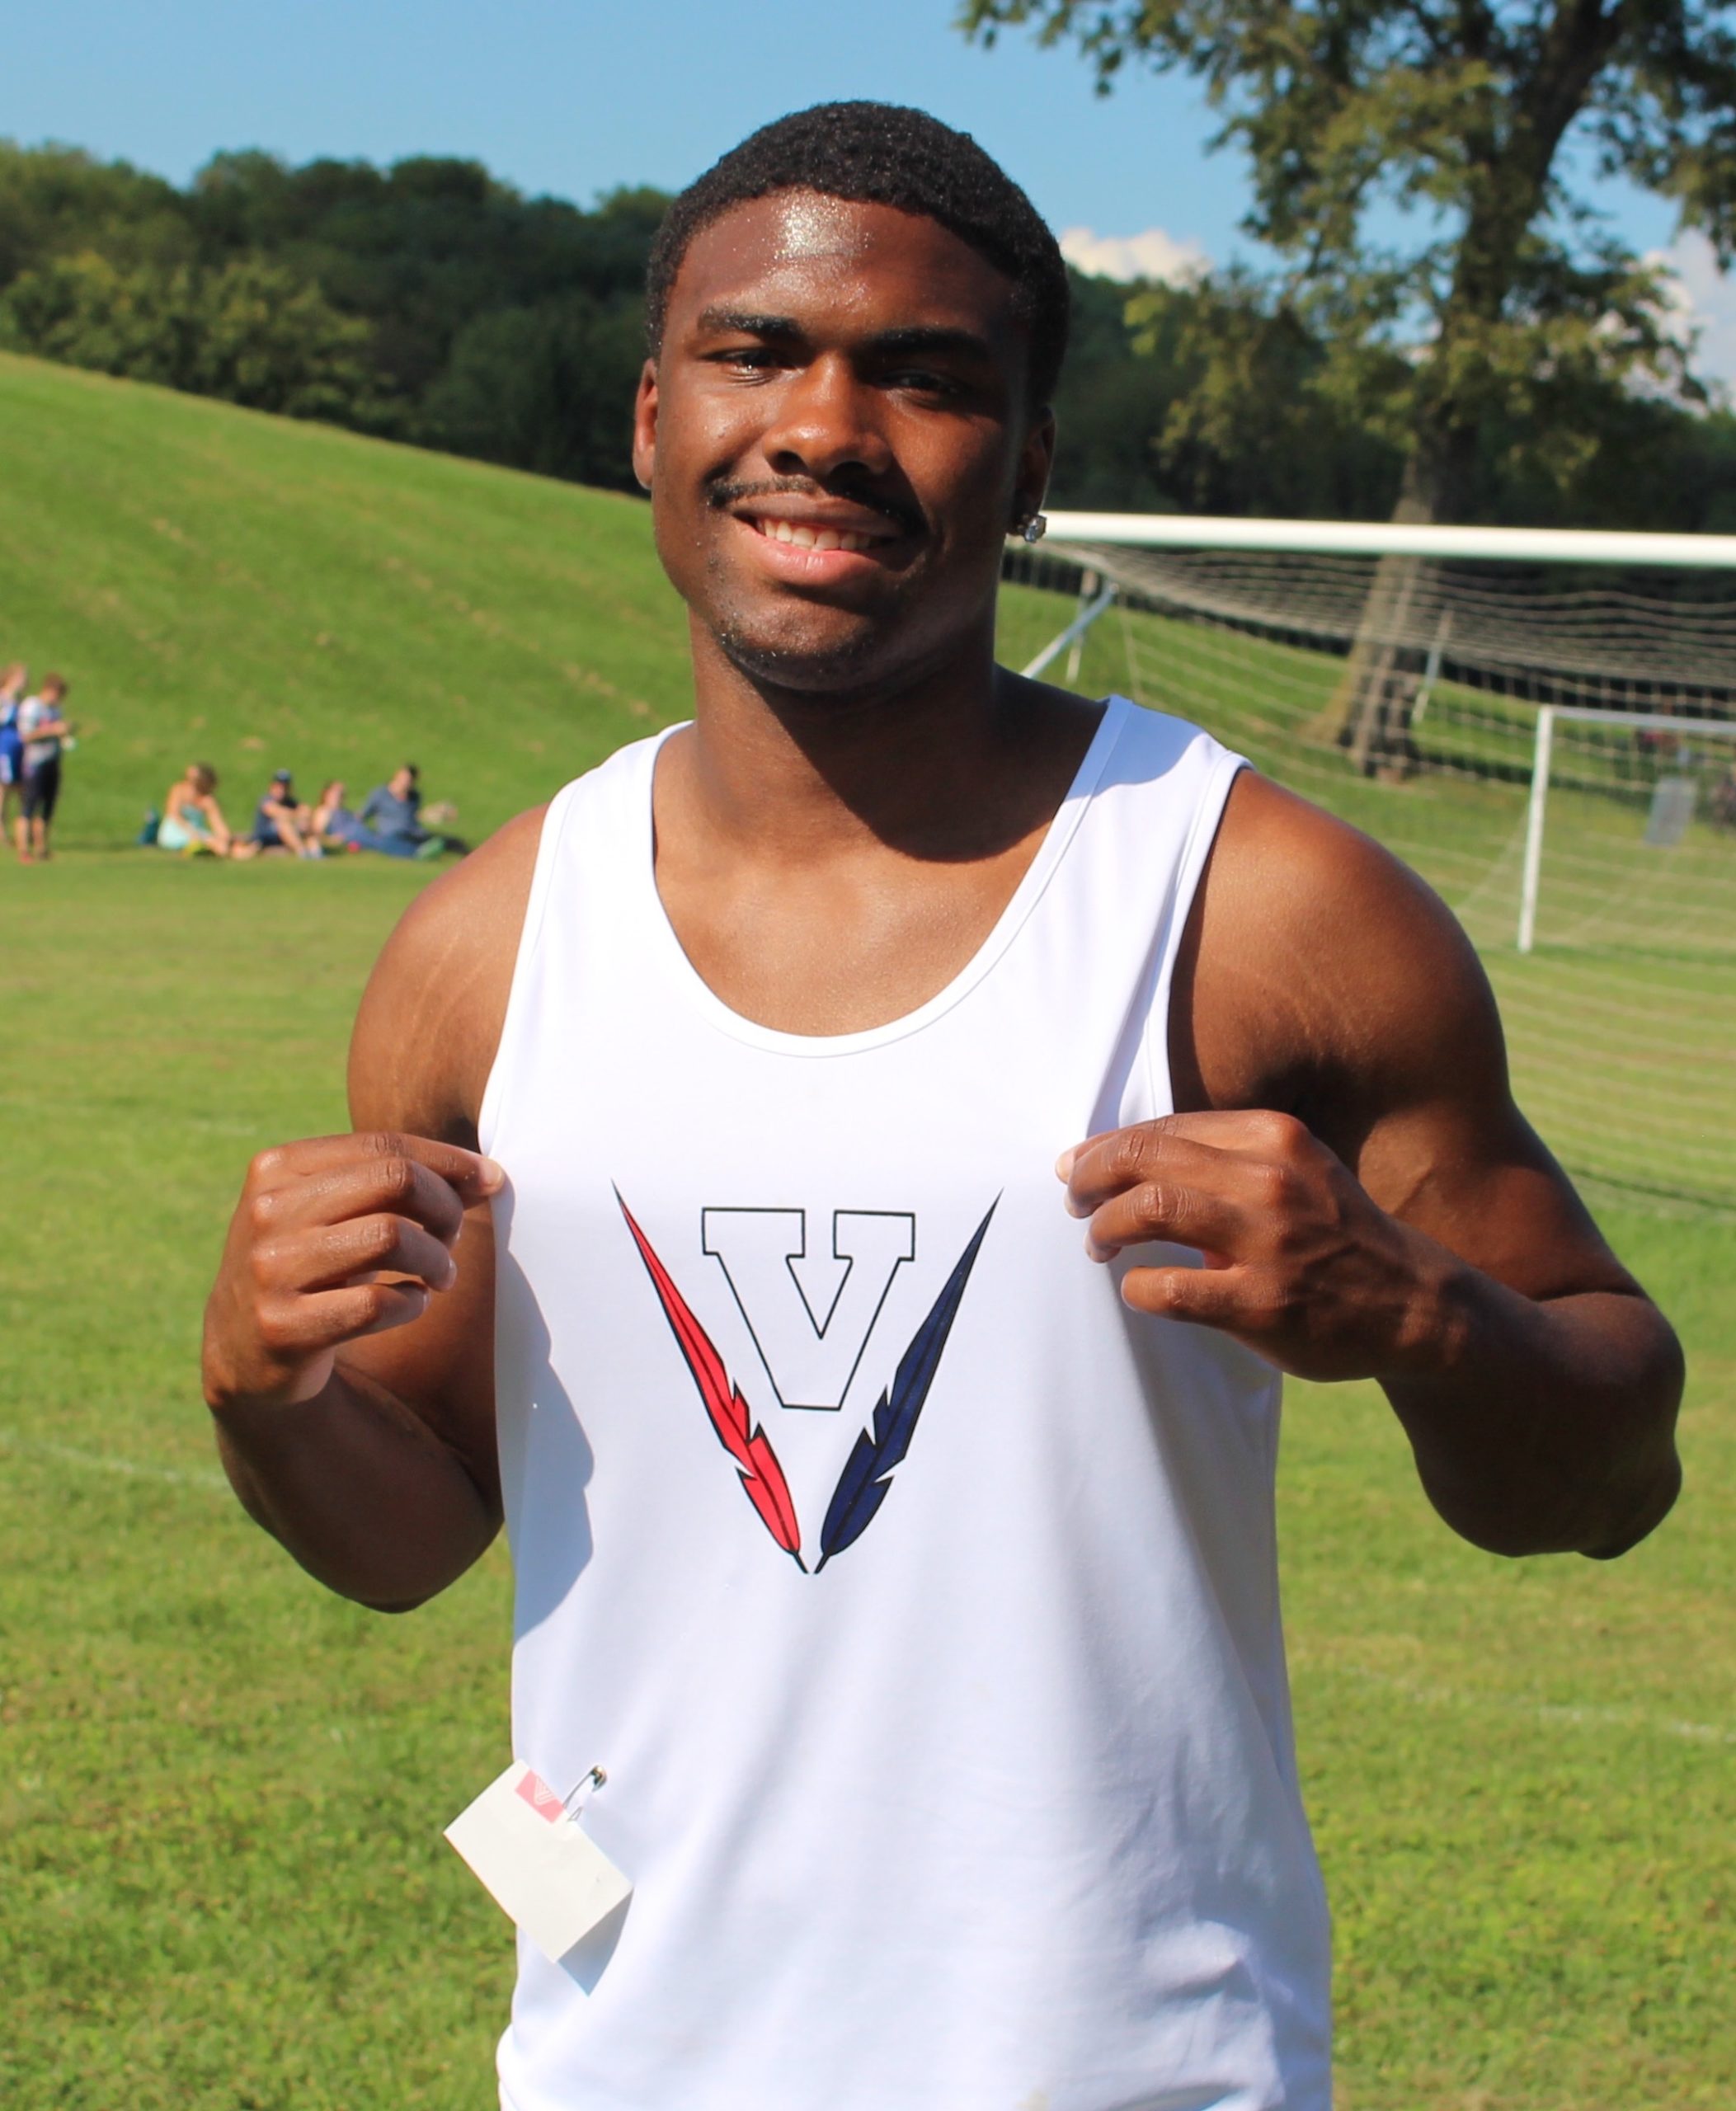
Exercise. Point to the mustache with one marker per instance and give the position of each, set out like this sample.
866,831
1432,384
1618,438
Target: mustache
731,490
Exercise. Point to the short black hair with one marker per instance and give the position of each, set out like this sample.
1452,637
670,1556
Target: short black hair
883,153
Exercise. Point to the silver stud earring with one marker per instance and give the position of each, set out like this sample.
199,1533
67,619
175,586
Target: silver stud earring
1034,527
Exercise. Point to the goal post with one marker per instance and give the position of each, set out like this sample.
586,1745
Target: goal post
1542,723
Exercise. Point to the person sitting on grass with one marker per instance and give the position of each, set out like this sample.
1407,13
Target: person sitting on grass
42,730
337,827
393,810
193,822
280,822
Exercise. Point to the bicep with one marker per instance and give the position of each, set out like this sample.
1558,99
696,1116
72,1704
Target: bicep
1415,1095
1321,977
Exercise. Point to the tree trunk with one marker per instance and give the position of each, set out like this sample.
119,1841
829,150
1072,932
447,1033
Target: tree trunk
1370,713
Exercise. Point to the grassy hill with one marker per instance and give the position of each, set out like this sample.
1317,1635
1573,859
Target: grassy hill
262,594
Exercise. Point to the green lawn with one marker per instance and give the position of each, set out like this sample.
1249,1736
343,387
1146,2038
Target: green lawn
221,1885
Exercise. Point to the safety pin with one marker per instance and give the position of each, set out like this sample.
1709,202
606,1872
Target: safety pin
588,1784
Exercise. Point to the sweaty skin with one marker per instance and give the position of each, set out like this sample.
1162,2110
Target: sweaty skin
836,437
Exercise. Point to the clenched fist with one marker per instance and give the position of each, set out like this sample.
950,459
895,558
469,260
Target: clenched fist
1300,1264
333,1239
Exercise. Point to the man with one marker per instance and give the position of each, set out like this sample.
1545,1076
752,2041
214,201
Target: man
43,731
902,1552
392,813
283,822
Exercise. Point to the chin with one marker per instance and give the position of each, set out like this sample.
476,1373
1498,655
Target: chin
794,660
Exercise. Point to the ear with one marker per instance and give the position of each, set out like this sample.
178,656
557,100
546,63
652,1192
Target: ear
1036,462
645,425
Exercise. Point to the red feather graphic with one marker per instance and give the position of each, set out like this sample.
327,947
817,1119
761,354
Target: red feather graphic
760,1474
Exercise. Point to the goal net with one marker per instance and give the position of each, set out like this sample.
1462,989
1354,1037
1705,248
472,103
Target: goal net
1544,726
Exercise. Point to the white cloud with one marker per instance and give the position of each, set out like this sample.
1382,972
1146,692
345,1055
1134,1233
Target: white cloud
1155,254
1701,298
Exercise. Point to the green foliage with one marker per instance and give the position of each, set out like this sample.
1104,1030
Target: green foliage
1216,397
546,388
427,301
1500,299
250,331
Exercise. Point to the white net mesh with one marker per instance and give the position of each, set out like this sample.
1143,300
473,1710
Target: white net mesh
1404,695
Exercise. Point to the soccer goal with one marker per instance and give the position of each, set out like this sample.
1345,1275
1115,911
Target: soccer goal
1543,723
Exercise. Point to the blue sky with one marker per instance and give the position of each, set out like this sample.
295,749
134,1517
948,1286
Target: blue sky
572,98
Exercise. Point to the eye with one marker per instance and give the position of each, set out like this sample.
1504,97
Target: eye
922,381
748,359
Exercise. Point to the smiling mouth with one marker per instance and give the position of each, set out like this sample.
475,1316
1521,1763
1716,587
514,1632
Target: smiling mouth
800,536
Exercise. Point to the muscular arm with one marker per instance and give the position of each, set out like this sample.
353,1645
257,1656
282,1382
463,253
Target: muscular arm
1381,1208
349,1338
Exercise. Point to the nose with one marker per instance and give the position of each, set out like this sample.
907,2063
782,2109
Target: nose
825,422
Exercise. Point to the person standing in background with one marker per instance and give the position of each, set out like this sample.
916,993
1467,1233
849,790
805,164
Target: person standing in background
43,731
13,681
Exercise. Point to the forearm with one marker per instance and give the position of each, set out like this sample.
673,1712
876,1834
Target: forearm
359,1490
1543,1426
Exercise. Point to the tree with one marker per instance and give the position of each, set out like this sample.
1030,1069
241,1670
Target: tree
549,390
1502,289
250,332
1424,171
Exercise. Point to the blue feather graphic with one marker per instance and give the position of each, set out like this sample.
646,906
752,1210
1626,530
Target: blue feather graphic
862,1484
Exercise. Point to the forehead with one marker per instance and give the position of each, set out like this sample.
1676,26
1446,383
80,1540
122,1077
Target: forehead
836,261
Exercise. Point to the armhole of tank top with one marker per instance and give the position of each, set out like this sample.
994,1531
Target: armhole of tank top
542,880
1208,813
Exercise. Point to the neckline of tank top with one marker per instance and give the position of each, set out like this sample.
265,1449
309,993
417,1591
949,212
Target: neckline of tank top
1023,899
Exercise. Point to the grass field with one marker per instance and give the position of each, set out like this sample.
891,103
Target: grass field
221,1885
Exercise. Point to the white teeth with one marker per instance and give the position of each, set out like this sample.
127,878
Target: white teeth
811,538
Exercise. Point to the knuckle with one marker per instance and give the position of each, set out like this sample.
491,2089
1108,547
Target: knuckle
376,1237
262,1211
276,1329
396,1177
266,1165
1127,1155
1283,1134
1153,1203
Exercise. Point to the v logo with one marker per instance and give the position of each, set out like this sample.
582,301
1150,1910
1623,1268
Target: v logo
881,1448
810,1315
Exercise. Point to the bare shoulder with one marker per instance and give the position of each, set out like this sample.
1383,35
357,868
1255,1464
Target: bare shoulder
1319,975
1317,962
431,1017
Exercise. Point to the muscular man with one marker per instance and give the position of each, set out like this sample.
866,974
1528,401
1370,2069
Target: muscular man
893,1519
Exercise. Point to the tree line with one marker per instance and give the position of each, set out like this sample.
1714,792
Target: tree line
430,303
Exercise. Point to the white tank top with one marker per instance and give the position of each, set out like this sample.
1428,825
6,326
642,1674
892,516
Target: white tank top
918,1598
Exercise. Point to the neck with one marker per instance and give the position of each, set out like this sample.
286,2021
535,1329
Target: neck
911,764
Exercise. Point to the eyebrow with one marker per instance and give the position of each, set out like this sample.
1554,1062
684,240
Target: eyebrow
932,339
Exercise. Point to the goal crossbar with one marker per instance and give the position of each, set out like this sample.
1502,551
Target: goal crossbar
1517,716
1381,538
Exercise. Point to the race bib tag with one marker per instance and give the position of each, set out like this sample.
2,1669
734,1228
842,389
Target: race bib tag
521,1839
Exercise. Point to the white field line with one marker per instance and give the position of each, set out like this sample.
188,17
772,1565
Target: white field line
99,1462
1552,1714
